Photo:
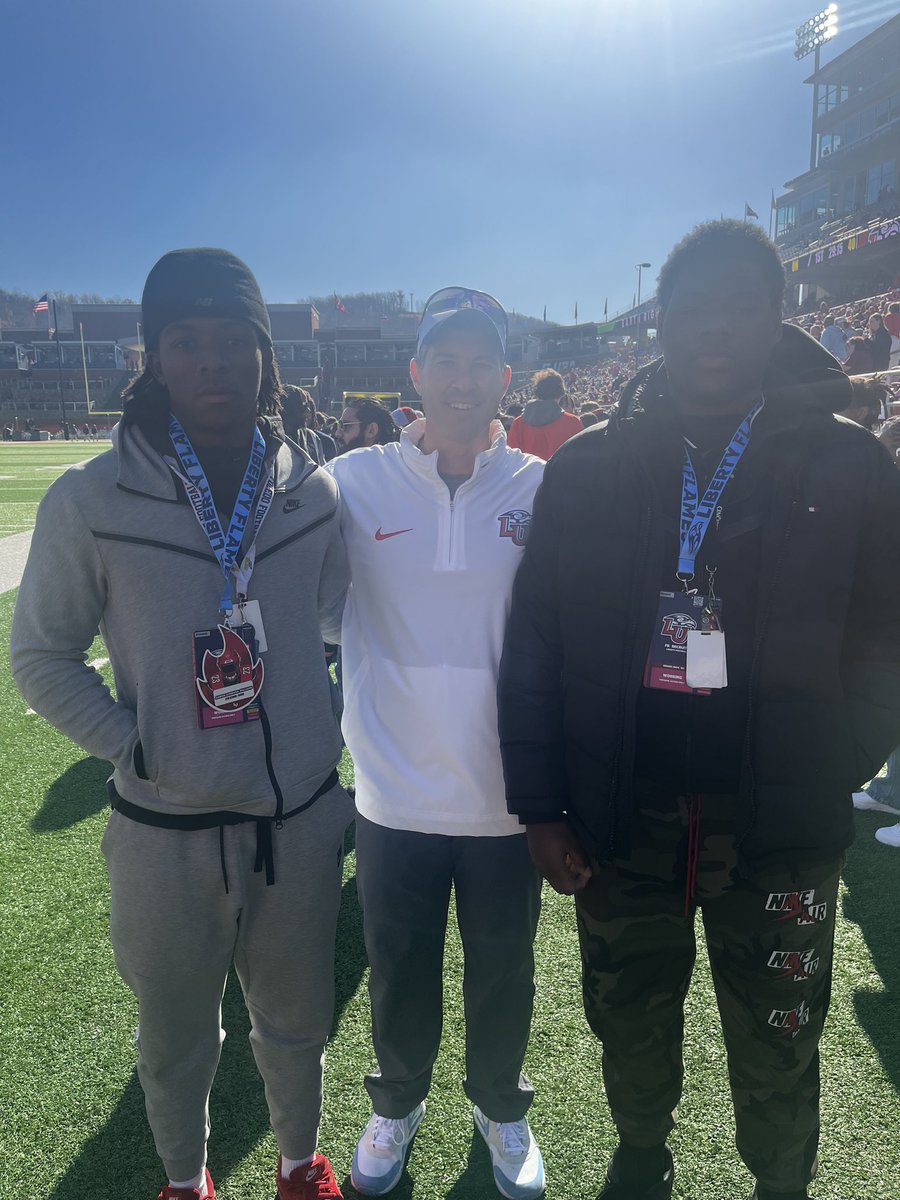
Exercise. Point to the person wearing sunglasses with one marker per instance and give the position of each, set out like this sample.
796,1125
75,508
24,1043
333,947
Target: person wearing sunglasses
365,422
435,525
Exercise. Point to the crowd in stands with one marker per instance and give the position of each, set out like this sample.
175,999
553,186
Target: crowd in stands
596,386
864,335
886,206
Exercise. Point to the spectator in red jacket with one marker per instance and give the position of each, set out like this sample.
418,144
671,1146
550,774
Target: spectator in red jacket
544,426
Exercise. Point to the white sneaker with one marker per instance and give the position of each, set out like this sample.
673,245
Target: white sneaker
515,1157
381,1152
890,835
867,803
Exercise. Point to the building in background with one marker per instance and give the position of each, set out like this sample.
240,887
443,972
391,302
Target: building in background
838,224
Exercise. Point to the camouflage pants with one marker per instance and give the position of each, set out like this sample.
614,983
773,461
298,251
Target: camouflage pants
770,940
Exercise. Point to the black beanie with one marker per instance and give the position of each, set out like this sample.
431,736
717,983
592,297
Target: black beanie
201,282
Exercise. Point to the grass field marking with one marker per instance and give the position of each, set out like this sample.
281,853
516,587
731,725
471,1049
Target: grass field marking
62,466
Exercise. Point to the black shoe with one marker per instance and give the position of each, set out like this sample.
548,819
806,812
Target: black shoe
619,1188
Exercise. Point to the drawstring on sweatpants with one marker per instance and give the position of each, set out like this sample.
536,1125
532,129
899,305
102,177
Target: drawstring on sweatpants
693,851
265,857
264,853
222,857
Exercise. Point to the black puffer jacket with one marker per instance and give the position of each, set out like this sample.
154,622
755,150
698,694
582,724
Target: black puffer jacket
823,705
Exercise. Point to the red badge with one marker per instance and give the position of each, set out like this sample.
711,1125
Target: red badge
228,678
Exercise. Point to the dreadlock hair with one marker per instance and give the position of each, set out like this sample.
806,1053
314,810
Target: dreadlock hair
368,411
725,239
146,396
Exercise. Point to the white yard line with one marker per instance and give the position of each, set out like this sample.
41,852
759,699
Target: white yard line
61,466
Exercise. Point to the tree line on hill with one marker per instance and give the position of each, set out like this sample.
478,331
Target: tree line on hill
341,310
335,311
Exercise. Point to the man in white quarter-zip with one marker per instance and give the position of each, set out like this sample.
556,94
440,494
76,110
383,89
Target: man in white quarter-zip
434,527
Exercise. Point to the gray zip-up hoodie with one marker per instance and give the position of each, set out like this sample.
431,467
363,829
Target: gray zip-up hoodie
115,549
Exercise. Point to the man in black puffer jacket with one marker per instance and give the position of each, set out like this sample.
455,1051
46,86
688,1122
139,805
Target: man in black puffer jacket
724,504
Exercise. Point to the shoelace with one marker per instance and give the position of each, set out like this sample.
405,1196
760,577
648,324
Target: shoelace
513,1137
386,1133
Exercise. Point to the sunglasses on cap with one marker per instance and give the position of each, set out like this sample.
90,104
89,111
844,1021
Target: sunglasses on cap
451,301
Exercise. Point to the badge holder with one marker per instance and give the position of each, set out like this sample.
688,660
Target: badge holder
228,674
685,620
706,668
247,613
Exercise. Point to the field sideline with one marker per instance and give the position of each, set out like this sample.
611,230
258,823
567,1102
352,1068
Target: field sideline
71,1112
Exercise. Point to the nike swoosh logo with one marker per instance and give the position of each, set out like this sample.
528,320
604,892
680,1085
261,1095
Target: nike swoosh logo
381,537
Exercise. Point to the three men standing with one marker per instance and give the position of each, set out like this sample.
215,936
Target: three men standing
435,525
655,773
724,505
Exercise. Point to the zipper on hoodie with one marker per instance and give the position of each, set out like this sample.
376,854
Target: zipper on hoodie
273,778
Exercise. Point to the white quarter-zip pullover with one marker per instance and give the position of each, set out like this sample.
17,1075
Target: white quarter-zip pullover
423,630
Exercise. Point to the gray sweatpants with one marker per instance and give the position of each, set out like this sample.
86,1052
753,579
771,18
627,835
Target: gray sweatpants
175,933
404,881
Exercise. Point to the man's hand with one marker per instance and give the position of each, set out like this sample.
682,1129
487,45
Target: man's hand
557,854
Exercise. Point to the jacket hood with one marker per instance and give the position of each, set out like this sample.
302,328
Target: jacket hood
801,374
141,443
541,412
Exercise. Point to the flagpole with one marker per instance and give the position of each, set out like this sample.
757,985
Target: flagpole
87,390
62,399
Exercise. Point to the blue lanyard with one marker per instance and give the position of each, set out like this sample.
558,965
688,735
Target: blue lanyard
695,517
226,545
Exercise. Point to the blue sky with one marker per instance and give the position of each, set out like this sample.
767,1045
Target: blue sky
535,148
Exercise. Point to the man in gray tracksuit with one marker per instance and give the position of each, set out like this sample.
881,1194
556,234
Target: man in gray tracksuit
225,842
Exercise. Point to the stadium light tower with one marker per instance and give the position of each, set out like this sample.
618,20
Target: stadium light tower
814,33
639,267
811,37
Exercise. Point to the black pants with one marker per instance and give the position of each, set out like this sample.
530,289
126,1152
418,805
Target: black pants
769,939
404,882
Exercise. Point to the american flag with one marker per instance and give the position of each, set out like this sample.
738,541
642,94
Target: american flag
43,305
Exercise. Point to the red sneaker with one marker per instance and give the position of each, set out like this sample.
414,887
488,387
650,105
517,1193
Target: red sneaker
313,1181
170,1193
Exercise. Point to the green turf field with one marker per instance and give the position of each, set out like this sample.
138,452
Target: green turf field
71,1113
26,471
